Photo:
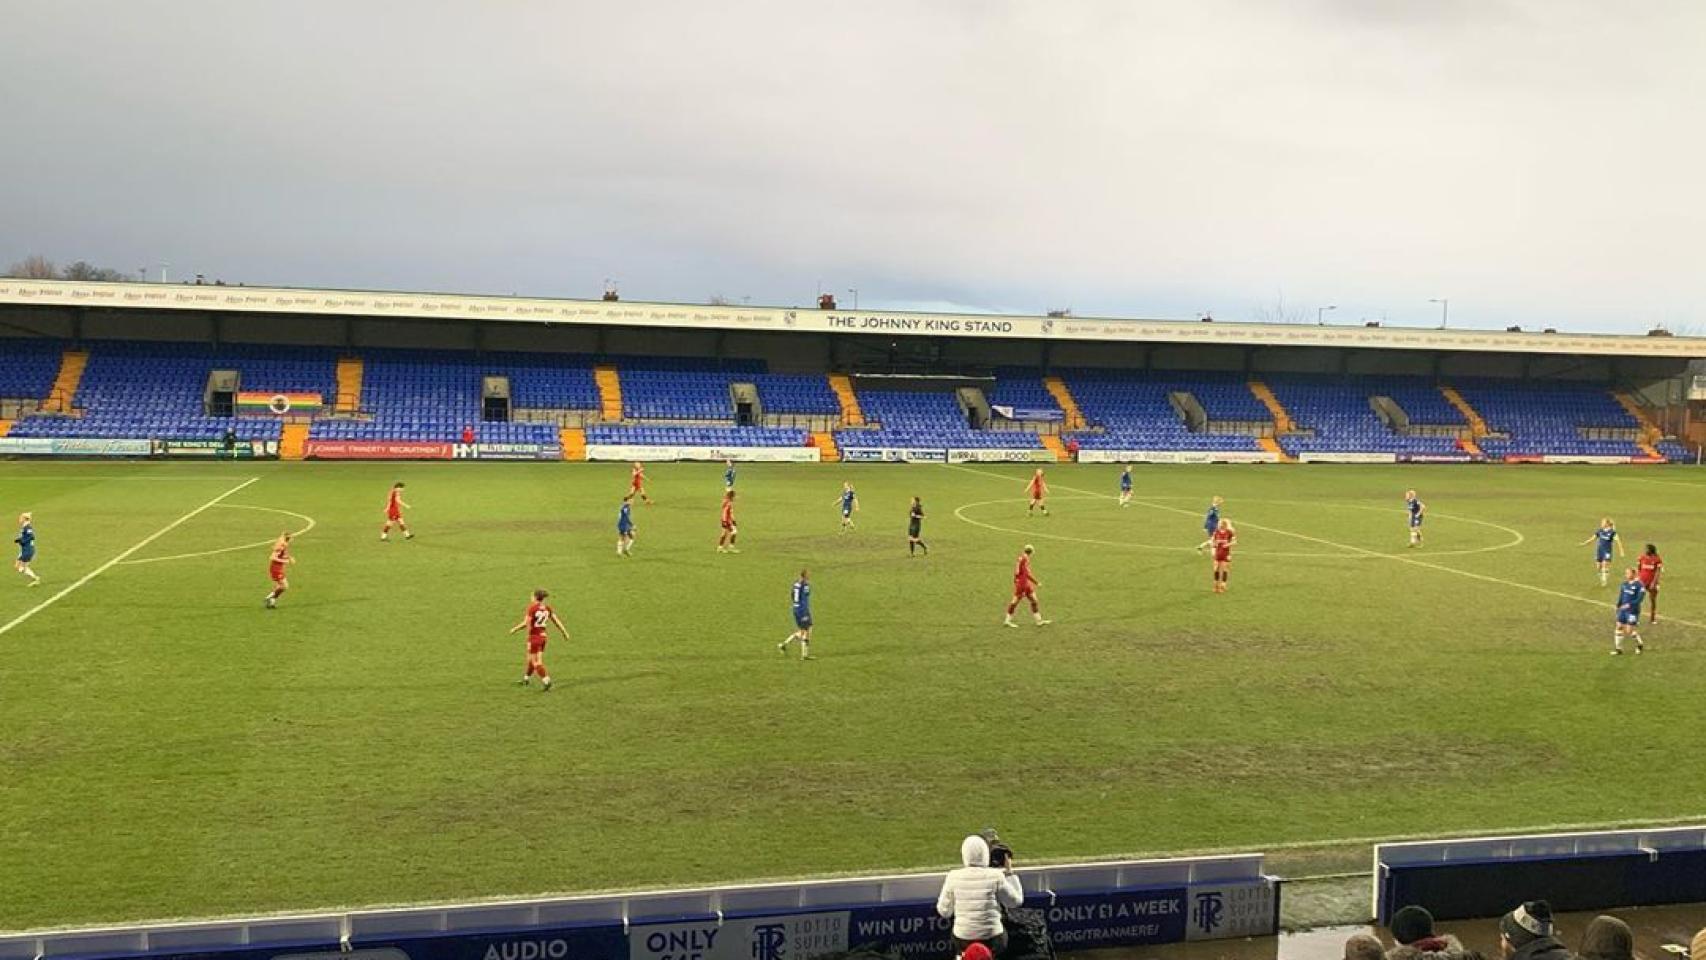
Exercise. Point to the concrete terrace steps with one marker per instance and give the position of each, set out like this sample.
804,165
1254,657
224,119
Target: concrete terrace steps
609,392
851,415
1283,423
350,374
1052,442
60,396
1273,446
827,449
573,440
5,427
1477,424
1651,434
293,441
1062,394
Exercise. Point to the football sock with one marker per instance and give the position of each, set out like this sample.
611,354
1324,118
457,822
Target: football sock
805,649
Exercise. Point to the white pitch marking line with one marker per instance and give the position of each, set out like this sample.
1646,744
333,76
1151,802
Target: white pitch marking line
247,546
960,515
103,568
1345,546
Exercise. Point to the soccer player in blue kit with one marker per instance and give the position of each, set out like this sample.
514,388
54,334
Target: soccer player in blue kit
1125,486
625,527
1603,540
1211,520
849,502
801,601
728,474
1418,511
26,541
1629,598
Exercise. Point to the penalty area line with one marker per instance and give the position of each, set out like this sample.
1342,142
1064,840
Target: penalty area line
1412,561
103,568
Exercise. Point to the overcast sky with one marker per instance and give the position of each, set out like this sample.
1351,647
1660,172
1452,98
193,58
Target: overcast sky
1540,162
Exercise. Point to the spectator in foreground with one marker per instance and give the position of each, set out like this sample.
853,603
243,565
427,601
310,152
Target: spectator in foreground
1364,947
1413,927
1526,934
1607,938
974,894
1697,947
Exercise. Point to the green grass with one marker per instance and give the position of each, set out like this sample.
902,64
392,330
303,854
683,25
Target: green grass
168,748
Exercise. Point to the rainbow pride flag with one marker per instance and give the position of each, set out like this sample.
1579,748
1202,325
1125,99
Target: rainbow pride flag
263,403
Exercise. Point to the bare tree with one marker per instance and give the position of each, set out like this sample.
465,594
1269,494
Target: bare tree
34,267
1279,312
84,270
718,300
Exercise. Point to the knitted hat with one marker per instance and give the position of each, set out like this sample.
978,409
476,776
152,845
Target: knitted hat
977,951
1412,923
1529,921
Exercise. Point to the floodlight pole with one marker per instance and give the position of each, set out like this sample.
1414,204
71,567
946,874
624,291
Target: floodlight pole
1319,311
1444,310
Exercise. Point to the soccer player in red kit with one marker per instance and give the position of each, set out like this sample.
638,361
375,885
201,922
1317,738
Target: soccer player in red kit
1223,540
637,483
394,513
537,621
1038,489
1650,567
280,559
1025,588
726,541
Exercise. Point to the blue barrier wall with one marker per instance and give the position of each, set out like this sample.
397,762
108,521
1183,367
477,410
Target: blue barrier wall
1086,906
1485,877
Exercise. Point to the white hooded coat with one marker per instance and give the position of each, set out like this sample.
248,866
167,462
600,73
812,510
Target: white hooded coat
975,893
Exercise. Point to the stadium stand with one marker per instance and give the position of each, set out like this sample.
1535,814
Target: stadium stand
28,367
785,393
1339,412
1134,412
133,389
706,436
1534,419
1022,387
925,419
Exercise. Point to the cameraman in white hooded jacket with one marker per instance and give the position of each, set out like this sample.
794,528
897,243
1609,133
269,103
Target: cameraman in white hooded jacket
974,894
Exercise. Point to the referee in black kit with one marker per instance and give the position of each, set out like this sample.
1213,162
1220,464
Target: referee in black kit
915,529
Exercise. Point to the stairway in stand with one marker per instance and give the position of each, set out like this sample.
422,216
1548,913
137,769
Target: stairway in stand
59,399
5,427
1283,424
1273,446
851,415
1650,432
827,450
1068,404
293,441
609,392
350,371
1052,442
1477,425
573,440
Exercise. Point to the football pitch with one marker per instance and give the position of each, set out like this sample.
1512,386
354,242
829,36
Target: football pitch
169,748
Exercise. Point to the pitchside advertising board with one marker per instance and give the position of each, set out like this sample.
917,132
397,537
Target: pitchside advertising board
1176,456
1076,921
647,452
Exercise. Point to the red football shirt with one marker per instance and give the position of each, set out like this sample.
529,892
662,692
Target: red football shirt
395,503
1648,567
1038,486
1022,573
538,620
728,511
1223,542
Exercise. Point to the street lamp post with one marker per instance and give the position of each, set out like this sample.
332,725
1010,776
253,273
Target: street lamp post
1444,310
1320,311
